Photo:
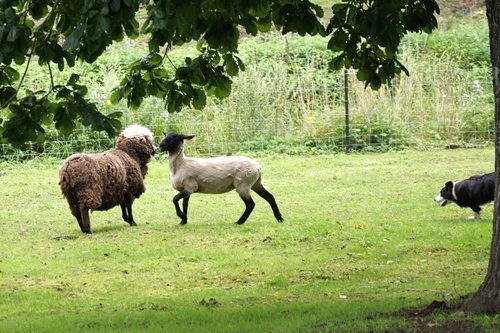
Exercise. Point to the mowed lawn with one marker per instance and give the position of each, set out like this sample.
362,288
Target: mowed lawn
362,237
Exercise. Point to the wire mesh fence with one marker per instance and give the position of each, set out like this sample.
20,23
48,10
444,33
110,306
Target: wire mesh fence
272,113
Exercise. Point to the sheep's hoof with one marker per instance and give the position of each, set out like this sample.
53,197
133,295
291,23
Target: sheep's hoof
132,224
182,222
88,232
239,222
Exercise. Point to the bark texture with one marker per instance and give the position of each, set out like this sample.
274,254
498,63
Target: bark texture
487,298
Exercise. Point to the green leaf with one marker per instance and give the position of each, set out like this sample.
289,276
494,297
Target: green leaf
223,88
199,99
148,62
73,41
38,10
63,92
196,76
116,95
10,73
115,6
362,74
70,59
264,24
13,34
63,121
338,42
74,78
10,14
171,100
91,118
241,64
230,65
131,28
7,93
336,63
115,115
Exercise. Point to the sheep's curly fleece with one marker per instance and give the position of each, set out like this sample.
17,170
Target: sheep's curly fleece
105,180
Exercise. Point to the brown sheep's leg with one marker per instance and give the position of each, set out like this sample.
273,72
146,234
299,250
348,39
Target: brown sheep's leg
127,214
76,213
85,225
184,194
124,212
249,205
270,199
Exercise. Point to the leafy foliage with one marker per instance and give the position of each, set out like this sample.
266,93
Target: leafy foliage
368,33
57,33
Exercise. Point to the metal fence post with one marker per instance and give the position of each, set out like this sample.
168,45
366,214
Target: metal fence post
347,134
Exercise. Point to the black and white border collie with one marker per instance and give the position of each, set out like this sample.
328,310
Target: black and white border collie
472,193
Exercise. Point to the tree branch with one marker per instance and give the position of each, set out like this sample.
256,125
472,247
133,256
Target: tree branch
30,56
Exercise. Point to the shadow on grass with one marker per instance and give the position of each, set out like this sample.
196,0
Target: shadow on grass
96,230
443,317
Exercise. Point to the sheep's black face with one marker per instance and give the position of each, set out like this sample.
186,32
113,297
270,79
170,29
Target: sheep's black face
172,141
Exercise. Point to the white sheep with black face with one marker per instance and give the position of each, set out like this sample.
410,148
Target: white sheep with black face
213,175
105,180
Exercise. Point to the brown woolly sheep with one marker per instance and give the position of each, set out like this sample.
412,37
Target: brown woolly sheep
105,180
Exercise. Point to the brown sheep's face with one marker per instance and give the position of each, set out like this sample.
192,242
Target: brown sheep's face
137,138
149,145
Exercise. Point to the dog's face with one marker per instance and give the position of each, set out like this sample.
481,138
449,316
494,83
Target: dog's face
446,194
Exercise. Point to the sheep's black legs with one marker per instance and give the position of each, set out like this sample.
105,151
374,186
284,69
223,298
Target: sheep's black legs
127,214
185,203
249,205
85,225
270,199
124,212
183,215
76,213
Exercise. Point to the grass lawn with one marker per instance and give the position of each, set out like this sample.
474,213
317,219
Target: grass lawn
361,239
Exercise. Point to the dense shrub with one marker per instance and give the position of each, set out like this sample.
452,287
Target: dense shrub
466,46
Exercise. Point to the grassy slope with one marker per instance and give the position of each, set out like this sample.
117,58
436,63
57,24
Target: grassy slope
361,235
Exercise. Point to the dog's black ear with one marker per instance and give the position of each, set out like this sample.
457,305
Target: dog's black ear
449,184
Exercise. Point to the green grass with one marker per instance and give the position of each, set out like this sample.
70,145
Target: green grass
362,237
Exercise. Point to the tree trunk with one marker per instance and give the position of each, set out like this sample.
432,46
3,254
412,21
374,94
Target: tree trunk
487,298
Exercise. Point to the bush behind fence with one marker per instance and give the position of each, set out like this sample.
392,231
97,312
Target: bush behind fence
289,102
